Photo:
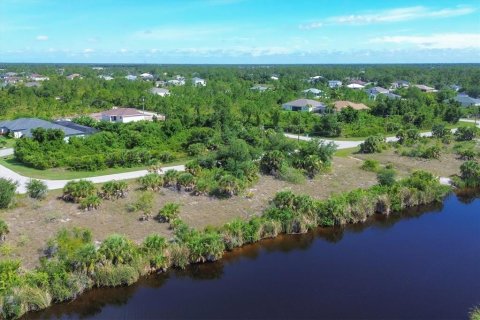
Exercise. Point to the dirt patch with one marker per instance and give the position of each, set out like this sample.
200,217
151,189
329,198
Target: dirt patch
32,223
448,164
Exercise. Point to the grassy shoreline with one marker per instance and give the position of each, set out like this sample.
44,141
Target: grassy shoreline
118,261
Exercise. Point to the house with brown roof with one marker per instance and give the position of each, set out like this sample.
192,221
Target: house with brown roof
425,88
342,104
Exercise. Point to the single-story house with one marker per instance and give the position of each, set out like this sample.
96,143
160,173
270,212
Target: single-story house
355,86
22,127
304,105
73,76
146,76
106,78
425,88
400,84
455,87
72,125
334,83
467,101
375,91
274,78
199,82
339,105
160,92
97,68
259,88
160,83
37,77
131,77
176,82
315,79
358,81
125,115
313,91
32,84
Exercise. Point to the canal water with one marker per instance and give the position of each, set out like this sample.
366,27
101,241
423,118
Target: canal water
422,264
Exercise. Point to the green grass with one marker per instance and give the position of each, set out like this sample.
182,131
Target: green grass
345,152
64,174
9,142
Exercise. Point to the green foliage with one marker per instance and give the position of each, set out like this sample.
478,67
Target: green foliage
151,182
373,144
386,177
466,133
37,189
169,212
90,203
474,314
143,204
117,250
4,230
470,174
114,190
116,275
409,136
7,192
272,162
439,130
75,191
186,181
371,165
291,175
154,248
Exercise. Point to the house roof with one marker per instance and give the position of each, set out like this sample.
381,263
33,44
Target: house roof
357,81
124,112
313,90
355,86
466,100
159,90
377,90
424,87
304,103
76,126
339,105
25,125
335,81
197,79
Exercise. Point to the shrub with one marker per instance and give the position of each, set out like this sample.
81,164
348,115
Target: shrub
151,181
440,130
373,144
470,173
90,203
114,190
272,162
117,249
170,178
154,249
370,165
112,276
143,204
386,177
474,314
7,192
185,180
169,212
37,189
466,133
179,255
408,136
228,186
3,230
432,152
467,154
166,157
196,149
77,190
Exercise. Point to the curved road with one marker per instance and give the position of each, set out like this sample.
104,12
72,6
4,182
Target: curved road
58,184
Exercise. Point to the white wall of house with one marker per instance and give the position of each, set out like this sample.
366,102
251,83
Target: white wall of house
122,119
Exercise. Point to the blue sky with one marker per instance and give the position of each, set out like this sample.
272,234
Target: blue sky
239,31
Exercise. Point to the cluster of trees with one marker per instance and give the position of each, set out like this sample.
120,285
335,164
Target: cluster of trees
73,263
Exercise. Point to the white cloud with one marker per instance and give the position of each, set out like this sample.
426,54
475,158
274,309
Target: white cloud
435,41
123,50
391,15
88,50
42,38
179,32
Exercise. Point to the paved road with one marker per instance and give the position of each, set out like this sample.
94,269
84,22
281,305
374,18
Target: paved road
58,184
472,121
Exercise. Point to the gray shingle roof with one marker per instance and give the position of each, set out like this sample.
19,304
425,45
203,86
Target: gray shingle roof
25,125
304,103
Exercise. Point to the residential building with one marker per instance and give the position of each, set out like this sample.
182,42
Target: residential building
467,101
160,83
176,82
23,127
400,84
73,76
106,78
131,77
375,91
304,105
315,79
355,86
97,68
38,77
339,105
455,87
32,84
359,82
125,115
425,88
260,88
313,91
274,78
334,83
160,92
199,82
146,76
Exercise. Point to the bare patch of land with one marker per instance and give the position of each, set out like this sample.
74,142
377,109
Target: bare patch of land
33,222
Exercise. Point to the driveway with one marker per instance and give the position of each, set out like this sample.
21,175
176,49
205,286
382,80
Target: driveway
59,184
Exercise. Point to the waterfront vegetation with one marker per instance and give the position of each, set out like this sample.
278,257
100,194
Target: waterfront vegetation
73,263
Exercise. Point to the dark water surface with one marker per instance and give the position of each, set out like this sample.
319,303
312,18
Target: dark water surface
422,264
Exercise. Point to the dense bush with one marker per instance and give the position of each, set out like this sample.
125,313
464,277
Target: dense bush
386,177
169,212
37,189
470,174
7,192
75,191
466,133
3,230
114,190
373,144
151,181
90,203
371,165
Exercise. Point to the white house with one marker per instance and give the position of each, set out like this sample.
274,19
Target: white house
199,82
314,79
176,82
38,77
274,78
131,77
73,76
146,76
355,86
400,84
314,91
107,78
160,92
304,105
334,83
259,88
